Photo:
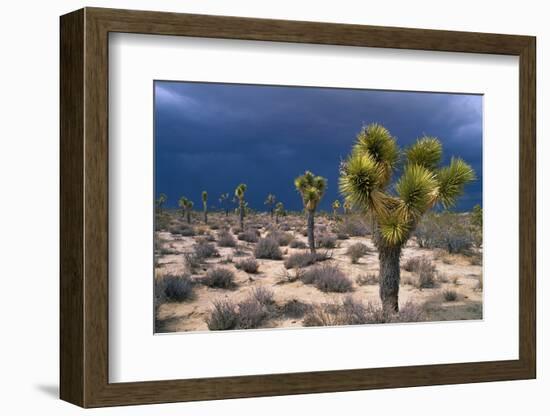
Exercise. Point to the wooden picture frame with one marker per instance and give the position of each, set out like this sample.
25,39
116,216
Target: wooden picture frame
84,207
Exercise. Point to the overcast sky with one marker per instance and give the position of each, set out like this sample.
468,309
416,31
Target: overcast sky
214,136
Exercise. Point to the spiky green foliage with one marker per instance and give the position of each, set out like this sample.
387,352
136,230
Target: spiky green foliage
311,188
452,180
365,178
426,152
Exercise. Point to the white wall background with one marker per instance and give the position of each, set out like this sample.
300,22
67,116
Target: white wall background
29,224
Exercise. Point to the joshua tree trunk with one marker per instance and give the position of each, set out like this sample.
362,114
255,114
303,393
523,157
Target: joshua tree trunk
310,229
277,219
188,214
205,216
389,277
271,212
226,212
241,215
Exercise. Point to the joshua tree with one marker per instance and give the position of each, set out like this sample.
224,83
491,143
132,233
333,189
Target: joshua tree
365,178
279,211
224,202
270,202
311,188
347,206
186,206
204,196
335,208
239,194
160,202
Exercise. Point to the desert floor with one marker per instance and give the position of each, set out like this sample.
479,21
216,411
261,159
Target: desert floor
456,272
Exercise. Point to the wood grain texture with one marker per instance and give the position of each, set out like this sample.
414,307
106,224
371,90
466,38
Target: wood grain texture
71,100
84,207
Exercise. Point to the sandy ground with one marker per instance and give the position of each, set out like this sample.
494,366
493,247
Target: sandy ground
462,276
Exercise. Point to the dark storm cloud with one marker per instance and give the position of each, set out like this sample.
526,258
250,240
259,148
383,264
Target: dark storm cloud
214,136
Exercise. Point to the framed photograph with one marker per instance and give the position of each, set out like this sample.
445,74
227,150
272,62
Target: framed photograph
255,207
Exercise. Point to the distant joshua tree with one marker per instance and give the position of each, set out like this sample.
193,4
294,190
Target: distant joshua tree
335,208
279,211
239,194
204,196
365,180
270,202
186,206
347,207
311,188
224,202
160,202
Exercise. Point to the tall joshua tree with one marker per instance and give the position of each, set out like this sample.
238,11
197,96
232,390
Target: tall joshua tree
311,188
270,202
279,211
160,202
224,202
204,197
335,208
186,206
365,181
239,194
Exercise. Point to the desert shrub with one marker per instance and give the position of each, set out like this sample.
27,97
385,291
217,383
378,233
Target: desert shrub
297,244
263,295
209,237
424,269
475,259
450,295
367,279
185,230
327,278
340,235
299,260
203,249
248,265
214,226
356,251
442,277
353,312
161,222
284,227
268,248
409,312
250,236
219,277
411,265
165,250
226,239
193,261
326,241
447,230
175,288
240,250
251,313
283,239
224,315
354,226
295,308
